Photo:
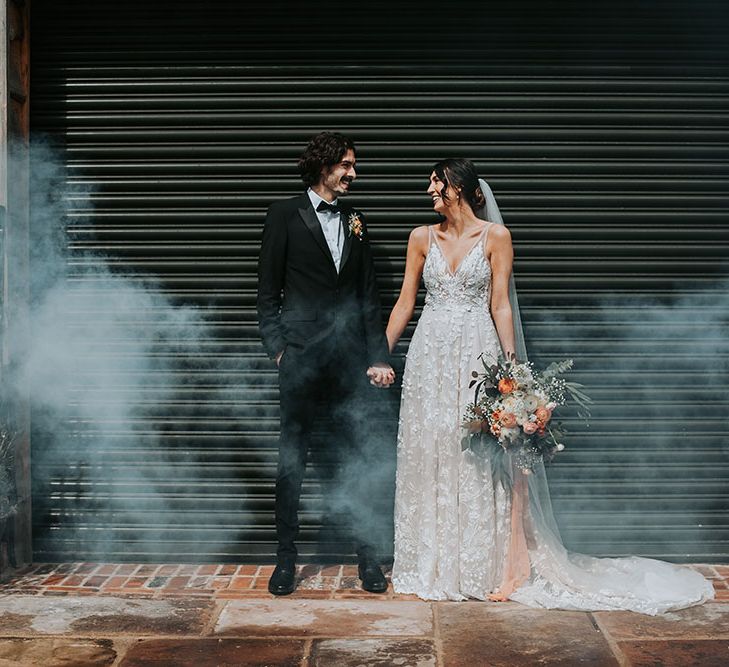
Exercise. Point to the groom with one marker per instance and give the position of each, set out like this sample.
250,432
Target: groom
319,318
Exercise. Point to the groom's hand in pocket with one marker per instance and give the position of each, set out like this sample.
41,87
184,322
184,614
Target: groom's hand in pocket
381,375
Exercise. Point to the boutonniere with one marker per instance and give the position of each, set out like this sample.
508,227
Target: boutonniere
355,226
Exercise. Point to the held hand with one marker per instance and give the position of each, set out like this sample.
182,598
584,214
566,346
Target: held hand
381,375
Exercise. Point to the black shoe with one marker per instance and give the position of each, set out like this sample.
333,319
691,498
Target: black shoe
283,579
371,575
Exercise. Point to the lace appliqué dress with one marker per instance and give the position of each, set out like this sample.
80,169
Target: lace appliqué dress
452,523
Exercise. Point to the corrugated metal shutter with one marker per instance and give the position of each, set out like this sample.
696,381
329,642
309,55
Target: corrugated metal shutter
604,138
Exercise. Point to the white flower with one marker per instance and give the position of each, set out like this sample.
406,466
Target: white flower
510,404
522,374
560,446
531,402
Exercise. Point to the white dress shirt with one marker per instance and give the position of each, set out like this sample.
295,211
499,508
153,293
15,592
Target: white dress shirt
331,225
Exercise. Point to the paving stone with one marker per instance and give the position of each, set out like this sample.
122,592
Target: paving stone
109,615
215,653
373,653
706,653
317,583
241,582
310,594
56,652
709,621
157,582
74,580
95,582
328,618
508,634
178,582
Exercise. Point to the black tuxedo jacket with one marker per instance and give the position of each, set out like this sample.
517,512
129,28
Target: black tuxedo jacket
302,300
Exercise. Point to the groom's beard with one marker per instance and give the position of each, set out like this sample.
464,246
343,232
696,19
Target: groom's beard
340,187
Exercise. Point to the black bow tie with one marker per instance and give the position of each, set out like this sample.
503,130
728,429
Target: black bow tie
326,206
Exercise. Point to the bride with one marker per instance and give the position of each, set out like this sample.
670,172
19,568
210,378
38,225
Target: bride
458,534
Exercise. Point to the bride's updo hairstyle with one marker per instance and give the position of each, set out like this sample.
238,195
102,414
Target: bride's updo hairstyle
461,174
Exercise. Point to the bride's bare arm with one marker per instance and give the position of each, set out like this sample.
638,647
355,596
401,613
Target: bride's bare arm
501,257
403,309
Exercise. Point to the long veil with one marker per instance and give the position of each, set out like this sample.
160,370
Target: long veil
539,571
528,492
491,213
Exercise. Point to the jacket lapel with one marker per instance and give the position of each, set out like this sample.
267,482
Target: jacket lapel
306,211
347,248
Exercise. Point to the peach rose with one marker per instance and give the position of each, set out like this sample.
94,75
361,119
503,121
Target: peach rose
508,419
529,428
496,429
543,415
506,385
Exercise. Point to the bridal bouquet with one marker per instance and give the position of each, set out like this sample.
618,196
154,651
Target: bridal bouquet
513,411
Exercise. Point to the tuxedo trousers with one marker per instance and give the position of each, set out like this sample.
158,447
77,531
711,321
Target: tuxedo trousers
326,387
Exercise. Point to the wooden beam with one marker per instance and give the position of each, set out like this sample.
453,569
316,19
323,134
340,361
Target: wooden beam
16,265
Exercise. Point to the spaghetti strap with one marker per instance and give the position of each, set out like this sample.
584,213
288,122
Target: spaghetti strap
485,235
431,239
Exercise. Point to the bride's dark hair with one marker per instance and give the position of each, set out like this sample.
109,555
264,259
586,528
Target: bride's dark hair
461,174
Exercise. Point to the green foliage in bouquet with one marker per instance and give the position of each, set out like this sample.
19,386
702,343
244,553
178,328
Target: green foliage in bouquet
512,413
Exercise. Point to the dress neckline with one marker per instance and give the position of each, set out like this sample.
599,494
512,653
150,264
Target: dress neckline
463,259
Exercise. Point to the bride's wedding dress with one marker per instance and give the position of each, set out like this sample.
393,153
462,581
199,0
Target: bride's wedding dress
458,534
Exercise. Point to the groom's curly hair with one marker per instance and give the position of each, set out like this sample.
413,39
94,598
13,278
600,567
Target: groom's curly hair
323,150
462,175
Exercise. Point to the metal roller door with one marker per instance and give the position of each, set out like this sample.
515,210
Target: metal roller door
604,138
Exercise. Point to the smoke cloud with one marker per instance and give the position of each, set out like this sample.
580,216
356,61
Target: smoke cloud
648,469
121,435
131,400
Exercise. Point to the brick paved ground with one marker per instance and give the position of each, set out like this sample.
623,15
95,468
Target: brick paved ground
206,581
126,615
218,581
